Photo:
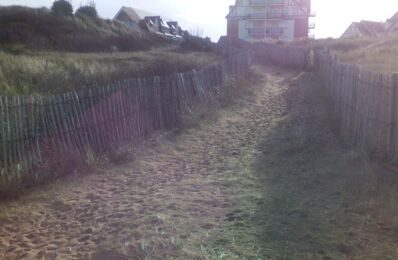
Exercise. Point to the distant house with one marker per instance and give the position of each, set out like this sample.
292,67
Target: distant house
132,17
365,29
156,24
175,29
392,23
140,20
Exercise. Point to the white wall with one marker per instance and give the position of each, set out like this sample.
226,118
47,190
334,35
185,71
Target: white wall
288,30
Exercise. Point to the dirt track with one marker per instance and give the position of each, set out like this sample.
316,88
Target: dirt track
208,192
163,204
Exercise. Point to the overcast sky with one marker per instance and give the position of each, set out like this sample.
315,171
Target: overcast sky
333,16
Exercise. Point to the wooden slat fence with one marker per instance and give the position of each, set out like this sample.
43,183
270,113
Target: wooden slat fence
35,130
287,56
364,103
298,57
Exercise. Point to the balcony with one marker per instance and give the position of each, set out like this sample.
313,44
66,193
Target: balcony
257,2
265,32
256,16
275,2
274,31
311,26
266,2
313,14
274,16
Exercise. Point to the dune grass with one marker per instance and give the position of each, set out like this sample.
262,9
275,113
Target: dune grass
306,196
40,29
55,72
374,54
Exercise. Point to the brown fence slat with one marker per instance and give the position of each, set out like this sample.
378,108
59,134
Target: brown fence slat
34,129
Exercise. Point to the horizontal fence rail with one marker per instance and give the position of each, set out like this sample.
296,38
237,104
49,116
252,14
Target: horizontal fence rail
50,131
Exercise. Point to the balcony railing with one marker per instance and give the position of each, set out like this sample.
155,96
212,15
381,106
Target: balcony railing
256,16
257,2
275,2
270,2
311,26
278,15
266,2
265,32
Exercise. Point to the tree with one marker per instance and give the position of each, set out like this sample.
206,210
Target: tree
88,10
62,7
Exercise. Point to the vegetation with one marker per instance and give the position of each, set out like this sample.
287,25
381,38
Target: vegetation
62,7
54,72
40,29
304,196
375,54
197,43
41,50
88,10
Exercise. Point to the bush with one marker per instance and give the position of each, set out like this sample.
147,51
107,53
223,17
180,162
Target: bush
88,10
40,29
62,7
196,43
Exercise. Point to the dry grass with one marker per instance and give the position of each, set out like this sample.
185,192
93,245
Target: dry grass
306,196
54,72
159,204
40,29
375,54
267,180
233,91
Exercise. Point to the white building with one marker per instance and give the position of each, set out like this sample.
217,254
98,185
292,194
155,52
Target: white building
259,20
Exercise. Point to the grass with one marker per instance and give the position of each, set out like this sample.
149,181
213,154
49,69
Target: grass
374,54
43,53
40,29
167,226
55,72
306,196
297,194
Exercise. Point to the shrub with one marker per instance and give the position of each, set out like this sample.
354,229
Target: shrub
196,43
88,10
40,29
62,7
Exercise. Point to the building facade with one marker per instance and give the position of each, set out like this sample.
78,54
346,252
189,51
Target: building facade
131,17
260,20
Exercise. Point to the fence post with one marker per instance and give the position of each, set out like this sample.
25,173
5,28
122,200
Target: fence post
3,166
393,121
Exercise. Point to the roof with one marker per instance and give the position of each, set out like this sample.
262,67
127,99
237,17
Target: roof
137,14
394,18
153,19
134,14
369,28
231,13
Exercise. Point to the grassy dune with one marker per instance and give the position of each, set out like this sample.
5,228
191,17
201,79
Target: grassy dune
54,72
39,29
375,54
43,53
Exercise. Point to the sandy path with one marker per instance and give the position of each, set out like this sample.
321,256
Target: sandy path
160,205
